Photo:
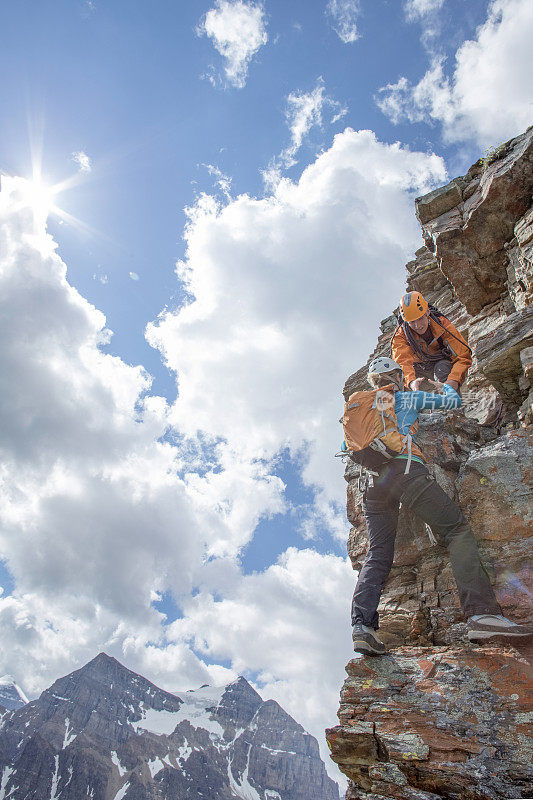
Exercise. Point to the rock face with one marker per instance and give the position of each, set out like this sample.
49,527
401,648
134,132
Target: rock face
105,733
439,717
430,722
469,223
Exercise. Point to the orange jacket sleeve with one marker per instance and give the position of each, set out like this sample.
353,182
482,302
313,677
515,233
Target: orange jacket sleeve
403,355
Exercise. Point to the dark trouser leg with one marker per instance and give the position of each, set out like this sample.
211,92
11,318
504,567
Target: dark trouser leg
381,522
442,369
446,520
434,370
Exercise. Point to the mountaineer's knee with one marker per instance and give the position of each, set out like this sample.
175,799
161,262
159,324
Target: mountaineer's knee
379,557
455,529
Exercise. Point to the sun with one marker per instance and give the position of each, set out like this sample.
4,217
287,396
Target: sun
40,197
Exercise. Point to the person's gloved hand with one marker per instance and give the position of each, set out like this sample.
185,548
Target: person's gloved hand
416,385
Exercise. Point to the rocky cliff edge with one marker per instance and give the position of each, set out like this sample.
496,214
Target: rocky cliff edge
439,717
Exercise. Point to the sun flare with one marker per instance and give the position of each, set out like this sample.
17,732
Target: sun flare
40,197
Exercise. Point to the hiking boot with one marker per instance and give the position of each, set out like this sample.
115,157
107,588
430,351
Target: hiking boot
484,627
366,641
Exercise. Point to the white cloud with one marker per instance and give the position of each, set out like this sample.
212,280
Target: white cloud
304,111
489,97
344,14
82,160
297,608
94,514
418,9
431,99
286,293
102,510
95,520
222,181
238,30
426,12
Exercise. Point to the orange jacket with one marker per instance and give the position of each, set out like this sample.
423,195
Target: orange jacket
406,358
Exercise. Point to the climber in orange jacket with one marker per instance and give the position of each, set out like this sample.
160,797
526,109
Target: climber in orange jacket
427,345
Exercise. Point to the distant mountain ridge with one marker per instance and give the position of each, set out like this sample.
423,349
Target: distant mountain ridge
103,732
11,695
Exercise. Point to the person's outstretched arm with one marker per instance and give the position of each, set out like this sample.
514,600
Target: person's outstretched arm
448,400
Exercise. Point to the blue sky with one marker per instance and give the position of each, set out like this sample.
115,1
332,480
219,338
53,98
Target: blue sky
122,82
274,152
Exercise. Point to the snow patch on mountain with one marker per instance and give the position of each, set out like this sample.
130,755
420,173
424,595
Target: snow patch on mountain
7,772
196,705
69,736
162,723
203,738
184,752
243,788
122,791
55,780
114,758
195,709
155,765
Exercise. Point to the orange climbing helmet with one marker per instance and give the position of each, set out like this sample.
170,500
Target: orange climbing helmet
413,306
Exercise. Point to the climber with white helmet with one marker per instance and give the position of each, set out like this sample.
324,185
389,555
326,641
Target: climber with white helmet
379,426
427,345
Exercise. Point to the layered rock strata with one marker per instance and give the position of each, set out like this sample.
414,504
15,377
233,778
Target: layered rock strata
439,717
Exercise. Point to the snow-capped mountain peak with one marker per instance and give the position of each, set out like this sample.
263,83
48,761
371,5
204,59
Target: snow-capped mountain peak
105,732
11,695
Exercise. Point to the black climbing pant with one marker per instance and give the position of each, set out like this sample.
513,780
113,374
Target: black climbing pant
419,491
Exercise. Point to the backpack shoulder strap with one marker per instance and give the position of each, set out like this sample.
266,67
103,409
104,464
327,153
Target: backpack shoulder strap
437,316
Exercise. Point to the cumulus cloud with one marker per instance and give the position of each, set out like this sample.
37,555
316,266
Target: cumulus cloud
82,160
76,423
100,513
286,293
344,15
237,29
110,496
94,516
488,97
294,607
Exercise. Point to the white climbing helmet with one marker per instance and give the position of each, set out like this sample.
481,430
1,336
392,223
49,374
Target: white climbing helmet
382,366
379,365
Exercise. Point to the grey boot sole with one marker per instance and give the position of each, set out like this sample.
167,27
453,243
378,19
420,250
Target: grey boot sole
360,646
